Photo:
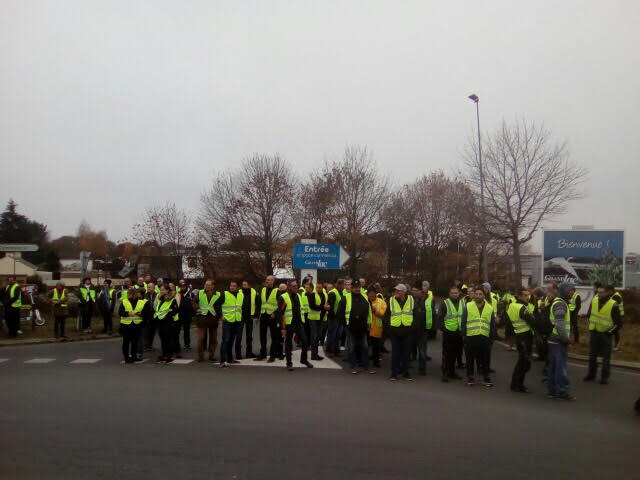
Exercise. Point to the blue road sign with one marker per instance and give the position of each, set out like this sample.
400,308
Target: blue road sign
318,256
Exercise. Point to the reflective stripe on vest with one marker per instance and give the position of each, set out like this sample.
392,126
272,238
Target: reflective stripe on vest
567,321
453,316
401,316
572,302
478,323
62,298
269,305
315,314
288,311
253,302
206,306
338,299
134,313
519,325
304,304
18,302
86,293
232,306
162,309
601,320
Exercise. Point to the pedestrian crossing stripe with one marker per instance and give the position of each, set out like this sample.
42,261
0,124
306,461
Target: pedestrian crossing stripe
140,361
86,360
2,360
181,361
326,363
41,360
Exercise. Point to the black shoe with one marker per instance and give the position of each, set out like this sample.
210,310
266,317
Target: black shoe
428,358
519,389
128,360
455,376
422,371
307,363
393,378
604,381
471,381
408,377
238,357
491,370
234,361
317,357
444,379
138,359
281,357
250,355
487,382
289,367
271,360
259,359
589,378
460,366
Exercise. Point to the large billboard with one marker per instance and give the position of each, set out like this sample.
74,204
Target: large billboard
582,257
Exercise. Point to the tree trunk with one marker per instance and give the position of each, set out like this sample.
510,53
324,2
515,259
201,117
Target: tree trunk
516,262
268,263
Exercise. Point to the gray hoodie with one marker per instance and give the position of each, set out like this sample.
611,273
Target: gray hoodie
558,318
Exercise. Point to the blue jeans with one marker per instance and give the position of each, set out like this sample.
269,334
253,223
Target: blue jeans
229,331
315,327
422,350
557,372
357,344
333,335
400,351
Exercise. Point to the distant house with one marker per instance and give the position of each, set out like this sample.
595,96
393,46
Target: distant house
13,264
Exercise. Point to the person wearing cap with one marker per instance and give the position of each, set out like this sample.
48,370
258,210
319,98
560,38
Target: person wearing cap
558,341
132,311
450,319
478,325
106,303
399,323
424,313
354,312
604,320
58,297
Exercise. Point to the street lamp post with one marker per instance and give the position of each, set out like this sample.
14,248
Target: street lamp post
483,244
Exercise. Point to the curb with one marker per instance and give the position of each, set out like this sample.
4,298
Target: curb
584,358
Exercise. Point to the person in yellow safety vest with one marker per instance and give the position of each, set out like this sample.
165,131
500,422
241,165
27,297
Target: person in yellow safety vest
250,311
12,304
478,327
268,305
334,331
291,318
378,309
207,319
399,323
355,315
149,326
159,281
521,318
363,286
230,307
493,299
604,319
166,310
306,288
126,285
141,285
147,281
106,303
132,310
317,306
575,304
617,296
59,298
557,381
450,319
87,299
323,291
424,313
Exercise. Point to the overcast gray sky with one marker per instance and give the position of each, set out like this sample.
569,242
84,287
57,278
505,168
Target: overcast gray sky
107,107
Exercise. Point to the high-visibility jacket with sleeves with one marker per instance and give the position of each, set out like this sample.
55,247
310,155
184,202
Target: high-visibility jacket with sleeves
314,314
348,299
453,315
572,302
401,316
87,293
478,323
269,305
162,308
232,306
600,320
288,311
133,313
567,317
338,299
519,325
428,311
376,319
17,303
62,298
206,306
618,298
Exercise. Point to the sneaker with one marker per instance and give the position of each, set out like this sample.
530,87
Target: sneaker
289,367
354,371
393,378
371,371
471,381
317,357
407,377
138,360
224,365
170,359
307,363
161,360
487,382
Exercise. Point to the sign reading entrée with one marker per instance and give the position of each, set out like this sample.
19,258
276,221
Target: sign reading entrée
318,256
18,247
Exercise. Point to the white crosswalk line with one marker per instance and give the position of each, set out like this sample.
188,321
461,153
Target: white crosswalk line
86,360
327,363
142,361
2,360
41,360
181,361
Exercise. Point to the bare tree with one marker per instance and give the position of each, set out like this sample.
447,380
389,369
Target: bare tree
250,210
167,230
528,177
360,194
316,200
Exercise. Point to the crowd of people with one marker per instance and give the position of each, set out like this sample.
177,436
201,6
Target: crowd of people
348,313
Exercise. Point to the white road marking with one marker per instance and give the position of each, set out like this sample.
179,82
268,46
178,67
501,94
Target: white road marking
142,361
41,360
327,363
86,360
616,370
2,360
181,361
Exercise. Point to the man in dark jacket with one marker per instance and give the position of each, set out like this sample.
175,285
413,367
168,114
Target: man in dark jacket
291,319
354,314
106,303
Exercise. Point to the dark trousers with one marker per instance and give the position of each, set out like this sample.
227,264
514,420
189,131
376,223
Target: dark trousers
542,347
12,317
451,346
185,325
271,325
107,319
86,319
323,330
358,350
376,350
315,326
58,326
164,331
574,327
557,379
130,336
459,352
150,333
298,329
524,344
600,346
422,349
176,327
400,350
208,339
333,335
247,325
477,350
229,333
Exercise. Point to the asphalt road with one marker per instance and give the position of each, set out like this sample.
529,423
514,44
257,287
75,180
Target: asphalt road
109,420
